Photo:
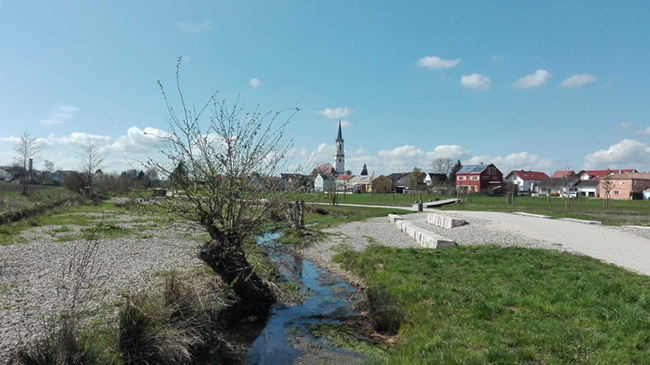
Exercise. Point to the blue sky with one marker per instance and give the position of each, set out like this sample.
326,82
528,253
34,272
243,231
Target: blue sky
534,85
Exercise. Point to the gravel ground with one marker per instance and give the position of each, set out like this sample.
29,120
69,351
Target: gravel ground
32,287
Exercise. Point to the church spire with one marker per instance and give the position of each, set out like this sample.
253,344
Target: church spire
340,137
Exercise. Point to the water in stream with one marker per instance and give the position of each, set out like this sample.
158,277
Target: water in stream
285,339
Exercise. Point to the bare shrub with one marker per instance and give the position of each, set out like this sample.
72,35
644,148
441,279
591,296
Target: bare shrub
385,311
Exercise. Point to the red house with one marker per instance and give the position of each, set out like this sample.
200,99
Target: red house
479,178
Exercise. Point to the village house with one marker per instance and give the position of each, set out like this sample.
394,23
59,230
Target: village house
479,178
558,186
597,174
343,183
621,186
431,178
399,181
324,182
526,180
588,188
369,184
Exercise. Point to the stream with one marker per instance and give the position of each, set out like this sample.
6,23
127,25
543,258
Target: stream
286,338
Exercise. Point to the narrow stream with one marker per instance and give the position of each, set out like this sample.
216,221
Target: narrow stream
286,338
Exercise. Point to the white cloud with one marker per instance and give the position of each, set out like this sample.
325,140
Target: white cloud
254,82
626,154
454,152
496,58
59,115
193,28
537,78
519,161
443,77
643,132
476,82
137,140
436,63
336,113
624,125
578,80
360,151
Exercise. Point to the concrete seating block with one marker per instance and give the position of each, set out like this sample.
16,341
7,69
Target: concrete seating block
423,237
444,222
394,218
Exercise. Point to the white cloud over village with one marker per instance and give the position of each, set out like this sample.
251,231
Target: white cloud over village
537,78
59,115
627,153
643,132
623,125
255,82
437,63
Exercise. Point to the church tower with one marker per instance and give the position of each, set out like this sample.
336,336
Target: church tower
339,154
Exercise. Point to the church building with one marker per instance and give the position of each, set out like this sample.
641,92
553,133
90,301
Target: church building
339,154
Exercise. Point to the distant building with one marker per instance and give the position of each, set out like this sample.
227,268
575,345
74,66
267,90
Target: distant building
558,186
526,180
324,182
325,169
479,178
624,184
562,173
597,174
399,181
369,184
339,154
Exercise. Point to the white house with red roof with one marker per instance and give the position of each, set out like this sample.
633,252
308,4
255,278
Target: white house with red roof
325,169
562,173
526,180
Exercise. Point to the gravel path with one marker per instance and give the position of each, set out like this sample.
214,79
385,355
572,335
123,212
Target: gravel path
32,287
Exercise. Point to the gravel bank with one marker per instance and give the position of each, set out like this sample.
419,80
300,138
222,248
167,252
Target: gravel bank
32,287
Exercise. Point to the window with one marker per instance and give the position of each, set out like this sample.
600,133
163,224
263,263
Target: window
460,178
634,182
525,175
485,177
474,177
615,192
339,160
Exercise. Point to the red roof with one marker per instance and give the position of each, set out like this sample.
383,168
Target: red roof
562,173
530,175
597,174
325,169
345,177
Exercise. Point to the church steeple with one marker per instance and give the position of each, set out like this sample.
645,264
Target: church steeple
340,137
339,154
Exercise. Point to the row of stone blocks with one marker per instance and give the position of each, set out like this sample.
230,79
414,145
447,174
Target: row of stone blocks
424,238
444,222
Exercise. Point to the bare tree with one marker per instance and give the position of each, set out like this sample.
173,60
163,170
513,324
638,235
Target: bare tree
607,185
442,166
49,166
90,159
26,148
231,164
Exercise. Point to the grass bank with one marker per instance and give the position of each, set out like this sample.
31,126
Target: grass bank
487,304
619,212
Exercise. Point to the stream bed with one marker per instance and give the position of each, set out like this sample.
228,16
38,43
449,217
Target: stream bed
286,338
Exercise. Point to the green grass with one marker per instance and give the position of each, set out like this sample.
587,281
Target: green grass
366,199
620,212
486,304
344,337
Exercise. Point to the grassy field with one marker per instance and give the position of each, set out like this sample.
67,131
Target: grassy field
487,304
366,199
619,212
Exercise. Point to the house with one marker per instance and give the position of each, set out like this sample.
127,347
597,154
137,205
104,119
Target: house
526,180
324,182
597,174
325,169
621,186
479,178
304,183
343,183
5,174
368,184
588,188
557,186
562,173
435,179
399,181
646,194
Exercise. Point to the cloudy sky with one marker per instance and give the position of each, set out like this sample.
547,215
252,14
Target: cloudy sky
532,85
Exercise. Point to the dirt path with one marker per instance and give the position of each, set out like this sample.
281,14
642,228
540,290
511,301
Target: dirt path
609,244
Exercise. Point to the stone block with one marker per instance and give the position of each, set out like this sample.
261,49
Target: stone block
444,222
394,218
